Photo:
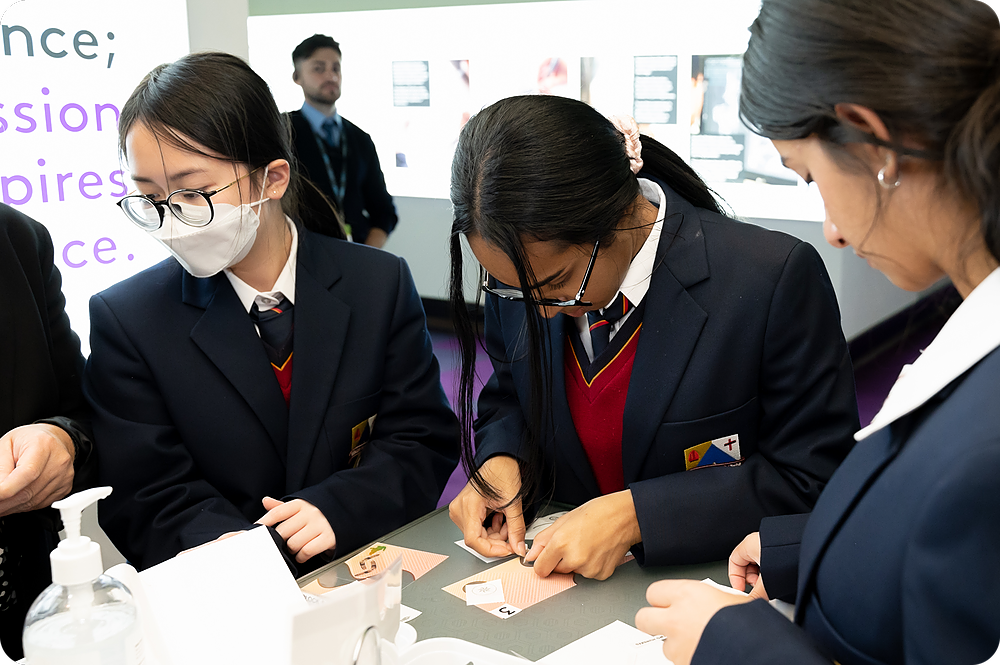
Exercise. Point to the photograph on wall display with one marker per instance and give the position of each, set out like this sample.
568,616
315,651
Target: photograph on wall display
723,149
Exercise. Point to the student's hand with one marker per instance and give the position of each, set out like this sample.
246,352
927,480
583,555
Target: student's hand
505,533
302,525
590,540
744,566
680,611
36,467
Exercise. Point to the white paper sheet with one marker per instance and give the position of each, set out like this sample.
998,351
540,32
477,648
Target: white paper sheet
227,602
617,643
541,524
407,613
481,557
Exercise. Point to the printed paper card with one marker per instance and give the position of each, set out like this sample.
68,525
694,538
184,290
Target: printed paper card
522,588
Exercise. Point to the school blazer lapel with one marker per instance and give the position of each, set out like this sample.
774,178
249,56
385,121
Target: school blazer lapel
847,486
671,325
226,335
321,324
569,447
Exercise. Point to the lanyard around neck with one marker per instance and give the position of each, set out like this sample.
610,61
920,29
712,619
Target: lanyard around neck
339,185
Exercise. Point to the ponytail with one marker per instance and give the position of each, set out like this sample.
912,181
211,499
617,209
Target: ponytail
664,164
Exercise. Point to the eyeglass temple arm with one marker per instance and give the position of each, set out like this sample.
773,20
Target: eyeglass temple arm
590,269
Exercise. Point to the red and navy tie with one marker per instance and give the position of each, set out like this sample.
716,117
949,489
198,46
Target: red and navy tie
275,326
601,322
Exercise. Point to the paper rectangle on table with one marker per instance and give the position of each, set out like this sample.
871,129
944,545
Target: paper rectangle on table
407,614
522,587
481,557
379,556
505,611
617,643
484,594
541,524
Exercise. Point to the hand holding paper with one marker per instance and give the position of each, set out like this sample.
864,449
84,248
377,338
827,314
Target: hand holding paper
744,566
590,540
680,611
504,534
303,527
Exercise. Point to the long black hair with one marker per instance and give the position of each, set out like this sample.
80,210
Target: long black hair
550,169
929,68
217,100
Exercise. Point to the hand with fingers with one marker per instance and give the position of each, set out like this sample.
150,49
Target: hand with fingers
590,540
36,467
302,526
680,611
492,527
744,567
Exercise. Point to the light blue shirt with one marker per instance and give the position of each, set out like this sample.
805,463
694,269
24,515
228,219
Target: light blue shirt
316,119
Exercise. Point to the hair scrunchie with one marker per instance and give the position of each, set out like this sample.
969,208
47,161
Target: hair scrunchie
633,146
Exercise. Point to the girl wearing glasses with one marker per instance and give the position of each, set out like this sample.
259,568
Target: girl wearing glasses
893,108
676,374
264,374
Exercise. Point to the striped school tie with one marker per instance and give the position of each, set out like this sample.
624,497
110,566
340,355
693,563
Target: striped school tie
602,322
276,326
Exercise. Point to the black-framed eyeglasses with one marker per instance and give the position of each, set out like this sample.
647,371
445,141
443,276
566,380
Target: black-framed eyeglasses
191,206
518,294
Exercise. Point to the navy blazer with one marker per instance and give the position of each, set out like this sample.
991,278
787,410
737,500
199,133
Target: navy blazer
898,561
367,204
39,382
740,335
193,430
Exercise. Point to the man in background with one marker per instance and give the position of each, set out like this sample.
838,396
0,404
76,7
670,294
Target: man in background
334,154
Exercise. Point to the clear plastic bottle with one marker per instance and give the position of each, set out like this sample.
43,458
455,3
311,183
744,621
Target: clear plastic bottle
83,617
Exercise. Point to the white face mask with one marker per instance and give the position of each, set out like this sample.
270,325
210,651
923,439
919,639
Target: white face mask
208,250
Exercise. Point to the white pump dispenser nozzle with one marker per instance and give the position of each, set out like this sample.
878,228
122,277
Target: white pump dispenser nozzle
77,560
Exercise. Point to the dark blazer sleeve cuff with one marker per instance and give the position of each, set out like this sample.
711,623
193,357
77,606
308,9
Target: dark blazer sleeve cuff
780,537
85,459
755,634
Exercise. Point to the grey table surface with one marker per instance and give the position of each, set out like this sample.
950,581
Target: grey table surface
534,632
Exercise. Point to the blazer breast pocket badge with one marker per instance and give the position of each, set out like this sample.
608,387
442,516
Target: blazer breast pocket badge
361,434
717,452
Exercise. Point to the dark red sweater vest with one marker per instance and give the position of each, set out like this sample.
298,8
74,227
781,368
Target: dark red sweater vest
598,406
284,376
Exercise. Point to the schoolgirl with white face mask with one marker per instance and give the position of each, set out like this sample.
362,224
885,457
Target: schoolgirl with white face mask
264,376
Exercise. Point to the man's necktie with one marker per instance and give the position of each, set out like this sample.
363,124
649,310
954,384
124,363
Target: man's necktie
275,326
601,322
331,132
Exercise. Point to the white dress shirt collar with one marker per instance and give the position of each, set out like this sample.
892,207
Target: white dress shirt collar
284,286
971,333
636,282
640,271
316,118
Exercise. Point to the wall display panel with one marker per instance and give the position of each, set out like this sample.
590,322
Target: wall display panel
67,68
412,78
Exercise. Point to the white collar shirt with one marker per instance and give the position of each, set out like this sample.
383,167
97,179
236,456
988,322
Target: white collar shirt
316,118
284,286
640,271
971,333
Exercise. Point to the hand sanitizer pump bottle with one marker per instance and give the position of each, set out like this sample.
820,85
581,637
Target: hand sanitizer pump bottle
84,617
